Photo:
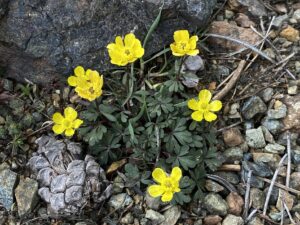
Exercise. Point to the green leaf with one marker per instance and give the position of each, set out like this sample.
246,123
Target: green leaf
109,117
153,27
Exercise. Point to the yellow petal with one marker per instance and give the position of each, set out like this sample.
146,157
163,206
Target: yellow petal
69,132
79,71
119,41
193,52
58,129
129,40
167,196
181,36
77,123
57,118
193,104
176,189
204,96
70,113
176,174
159,175
209,116
111,46
197,116
176,51
155,190
215,106
72,81
193,42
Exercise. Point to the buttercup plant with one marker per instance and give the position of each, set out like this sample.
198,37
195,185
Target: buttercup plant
126,51
66,124
167,185
145,117
184,44
204,107
88,84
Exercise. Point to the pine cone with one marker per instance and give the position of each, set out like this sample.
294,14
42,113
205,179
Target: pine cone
66,183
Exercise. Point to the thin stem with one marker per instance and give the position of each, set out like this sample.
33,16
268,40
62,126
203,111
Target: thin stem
180,67
130,84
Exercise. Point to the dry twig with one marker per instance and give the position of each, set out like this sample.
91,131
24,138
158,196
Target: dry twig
232,81
272,185
247,195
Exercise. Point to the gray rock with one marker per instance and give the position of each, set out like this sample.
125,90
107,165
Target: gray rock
297,65
45,176
274,126
233,154
51,38
57,203
7,85
75,178
257,198
274,148
296,15
73,194
282,138
277,113
270,158
171,215
152,203
213,186
295,181
274,195
278,21
255,138
193,63
92,168
233,220
254,7
253,106
45,194
8,181
215,204
26,196
127,219
229,176
255,221
118,185
154,216
58,184
76,165
260,169
198,222
120,200
255,182
267,134
267,94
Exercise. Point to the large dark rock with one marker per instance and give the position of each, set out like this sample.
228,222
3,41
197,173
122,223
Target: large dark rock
44,39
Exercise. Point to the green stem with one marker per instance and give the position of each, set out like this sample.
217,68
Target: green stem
180,66
130,84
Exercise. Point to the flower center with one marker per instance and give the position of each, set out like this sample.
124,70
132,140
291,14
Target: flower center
183,46
127,52
168,184
91,90
204,106
67,123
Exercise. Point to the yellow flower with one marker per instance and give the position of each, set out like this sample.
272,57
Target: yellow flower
67,123
123,52
203,107
88,84
168,185
184,45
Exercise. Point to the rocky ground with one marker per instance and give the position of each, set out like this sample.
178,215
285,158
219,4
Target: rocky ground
259,181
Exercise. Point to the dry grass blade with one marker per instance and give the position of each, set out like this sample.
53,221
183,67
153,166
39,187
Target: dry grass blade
222,181
256,50
231,82
272,185
247,195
